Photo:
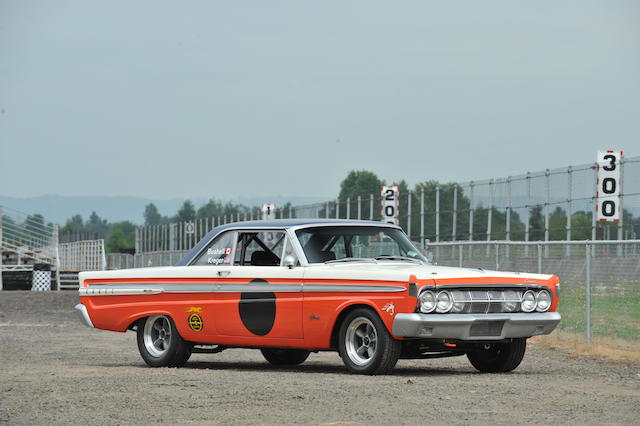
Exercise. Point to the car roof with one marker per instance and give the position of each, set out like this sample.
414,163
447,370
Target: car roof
276,223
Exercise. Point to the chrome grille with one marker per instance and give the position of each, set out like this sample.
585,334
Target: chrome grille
483,301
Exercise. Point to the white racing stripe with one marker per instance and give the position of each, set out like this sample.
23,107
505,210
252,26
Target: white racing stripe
122,289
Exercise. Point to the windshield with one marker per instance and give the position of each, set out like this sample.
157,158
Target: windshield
325,244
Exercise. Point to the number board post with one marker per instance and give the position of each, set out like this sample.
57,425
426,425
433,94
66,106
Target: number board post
608,186
390,204
268,212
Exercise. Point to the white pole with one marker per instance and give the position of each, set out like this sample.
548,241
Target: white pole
1,245
437,214
409,214
422,218
455,212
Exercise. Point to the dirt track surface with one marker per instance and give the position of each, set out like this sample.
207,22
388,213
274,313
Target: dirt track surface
55,370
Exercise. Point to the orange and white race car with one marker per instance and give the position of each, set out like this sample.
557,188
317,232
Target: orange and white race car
291,287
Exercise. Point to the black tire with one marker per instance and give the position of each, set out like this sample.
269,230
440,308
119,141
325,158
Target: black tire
160,344
365,345
285,356
500,357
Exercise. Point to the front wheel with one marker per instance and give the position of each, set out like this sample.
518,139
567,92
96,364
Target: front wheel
365,345
285,356
499,357
159,343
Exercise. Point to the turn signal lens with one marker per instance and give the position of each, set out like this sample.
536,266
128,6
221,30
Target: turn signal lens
543,300
528,301
427,301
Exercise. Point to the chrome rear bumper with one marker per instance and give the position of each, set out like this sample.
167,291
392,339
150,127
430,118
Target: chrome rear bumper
475,326
84,315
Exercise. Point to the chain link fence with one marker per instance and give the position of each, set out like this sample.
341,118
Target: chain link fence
600,281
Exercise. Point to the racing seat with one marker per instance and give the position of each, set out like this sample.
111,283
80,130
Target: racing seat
262,258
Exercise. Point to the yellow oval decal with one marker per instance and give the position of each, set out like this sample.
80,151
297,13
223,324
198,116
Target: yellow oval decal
195,322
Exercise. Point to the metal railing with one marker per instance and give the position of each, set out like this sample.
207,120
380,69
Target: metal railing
550,205
26,240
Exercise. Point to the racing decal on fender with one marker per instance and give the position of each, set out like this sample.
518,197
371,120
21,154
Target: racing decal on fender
389,307
195,322
258,310
194,309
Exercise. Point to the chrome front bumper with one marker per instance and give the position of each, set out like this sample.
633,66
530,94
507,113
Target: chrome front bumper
475,326
84,315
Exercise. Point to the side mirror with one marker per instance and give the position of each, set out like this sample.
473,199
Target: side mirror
289,261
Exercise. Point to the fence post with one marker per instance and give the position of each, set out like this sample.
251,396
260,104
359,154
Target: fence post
359,208
348,208
526,207
470,212
594,207
587,288
621,207
454,225
422,217
546,211
569,207
460,255
438,214
370,206
539,258
338,208
489,214
497,246
470,218
1,249
508,224
409,214
326,208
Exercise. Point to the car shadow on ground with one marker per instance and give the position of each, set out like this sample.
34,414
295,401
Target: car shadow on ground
311,368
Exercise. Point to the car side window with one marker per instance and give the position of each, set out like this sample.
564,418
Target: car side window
219,252
260,248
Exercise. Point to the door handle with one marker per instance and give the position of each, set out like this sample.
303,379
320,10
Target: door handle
223,273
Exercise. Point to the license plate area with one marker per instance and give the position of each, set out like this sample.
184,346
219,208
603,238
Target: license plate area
486,328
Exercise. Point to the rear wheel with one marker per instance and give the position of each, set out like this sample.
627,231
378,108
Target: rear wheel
285,356
365,345
499,357
160,344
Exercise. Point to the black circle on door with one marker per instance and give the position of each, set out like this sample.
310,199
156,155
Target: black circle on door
258,309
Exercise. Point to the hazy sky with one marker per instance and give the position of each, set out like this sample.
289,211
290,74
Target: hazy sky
219,99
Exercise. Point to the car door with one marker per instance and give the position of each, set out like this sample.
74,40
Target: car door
262,299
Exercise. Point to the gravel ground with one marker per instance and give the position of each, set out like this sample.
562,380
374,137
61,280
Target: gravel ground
54,370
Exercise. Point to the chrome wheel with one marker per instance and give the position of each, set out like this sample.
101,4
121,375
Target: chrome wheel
361,341
157,335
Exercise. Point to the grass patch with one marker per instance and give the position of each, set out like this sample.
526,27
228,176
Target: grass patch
615,310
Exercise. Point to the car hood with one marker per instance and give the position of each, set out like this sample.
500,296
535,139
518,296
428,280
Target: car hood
404,271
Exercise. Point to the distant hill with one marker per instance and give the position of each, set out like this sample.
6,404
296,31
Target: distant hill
59,208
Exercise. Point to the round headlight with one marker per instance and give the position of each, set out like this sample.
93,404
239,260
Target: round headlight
543,300
444,302
427,301
528,301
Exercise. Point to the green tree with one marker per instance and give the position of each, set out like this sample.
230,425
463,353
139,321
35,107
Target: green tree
121,237
73,225
536,224
97,226
359,182
186,213
151,215
558,224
